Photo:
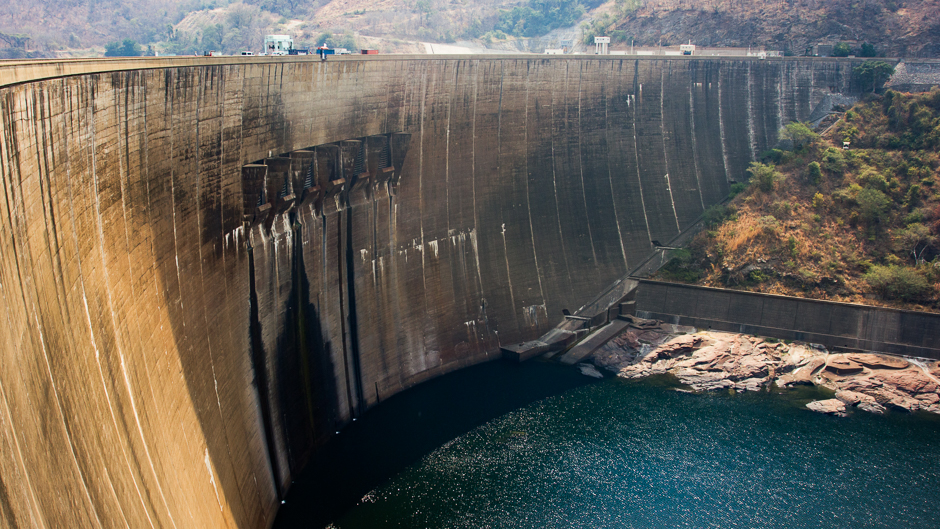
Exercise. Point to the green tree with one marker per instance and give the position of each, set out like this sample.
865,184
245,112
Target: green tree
764,176
897,282
625,7
345,39
424,8
800,134
814,173
873,179
212,36
715,215
128,48
915,240
834,161
539,17
867,50
874,72
841,50
872,205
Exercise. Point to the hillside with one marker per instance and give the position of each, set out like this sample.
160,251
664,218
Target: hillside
896,28
857,225
82,27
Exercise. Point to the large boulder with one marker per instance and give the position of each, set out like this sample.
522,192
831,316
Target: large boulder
802,374
704,380
799,354
902,403
851,398
873,361
751,366
871,407
934,368
841,365
911,381
860,400
828,406
678,346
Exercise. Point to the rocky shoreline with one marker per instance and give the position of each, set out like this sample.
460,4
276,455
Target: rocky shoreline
710,360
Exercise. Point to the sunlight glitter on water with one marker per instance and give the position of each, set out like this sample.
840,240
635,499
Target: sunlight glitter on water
638,454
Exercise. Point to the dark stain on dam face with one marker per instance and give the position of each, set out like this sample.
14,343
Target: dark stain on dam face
525,186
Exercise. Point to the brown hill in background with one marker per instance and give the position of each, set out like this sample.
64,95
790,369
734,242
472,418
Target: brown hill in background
897,28
80,27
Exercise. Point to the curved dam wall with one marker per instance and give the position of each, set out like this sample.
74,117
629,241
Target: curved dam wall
170,351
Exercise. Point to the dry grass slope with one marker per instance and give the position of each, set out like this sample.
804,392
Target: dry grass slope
857,225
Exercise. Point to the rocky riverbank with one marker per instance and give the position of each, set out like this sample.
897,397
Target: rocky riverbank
708,360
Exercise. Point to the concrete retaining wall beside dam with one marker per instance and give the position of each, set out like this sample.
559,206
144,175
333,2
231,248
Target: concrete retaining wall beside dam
835,325
163,363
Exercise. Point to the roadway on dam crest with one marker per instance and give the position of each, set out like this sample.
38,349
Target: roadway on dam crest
168,361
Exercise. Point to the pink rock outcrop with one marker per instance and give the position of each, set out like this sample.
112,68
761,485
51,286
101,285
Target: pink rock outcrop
874,361
708,360
841,365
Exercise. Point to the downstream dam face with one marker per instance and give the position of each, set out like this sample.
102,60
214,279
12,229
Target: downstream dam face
208,266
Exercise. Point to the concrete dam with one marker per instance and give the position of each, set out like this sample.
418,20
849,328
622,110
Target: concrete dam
210,265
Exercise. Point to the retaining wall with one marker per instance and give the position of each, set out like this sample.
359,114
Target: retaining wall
835,325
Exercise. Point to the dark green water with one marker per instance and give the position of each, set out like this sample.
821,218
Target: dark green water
639,454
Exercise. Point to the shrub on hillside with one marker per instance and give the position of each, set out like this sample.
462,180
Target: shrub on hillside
897,282
717,214
873,179
682,267
834,161
914,239
764,176
128,48
736,189
874,72
346,39
799,134
538,17
872,205
841,49
814,173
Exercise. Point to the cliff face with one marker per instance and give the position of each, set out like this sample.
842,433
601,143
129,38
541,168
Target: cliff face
166,363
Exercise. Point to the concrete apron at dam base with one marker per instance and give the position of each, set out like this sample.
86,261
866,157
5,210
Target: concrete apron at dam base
175,344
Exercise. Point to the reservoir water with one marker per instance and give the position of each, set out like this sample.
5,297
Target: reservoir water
573,452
